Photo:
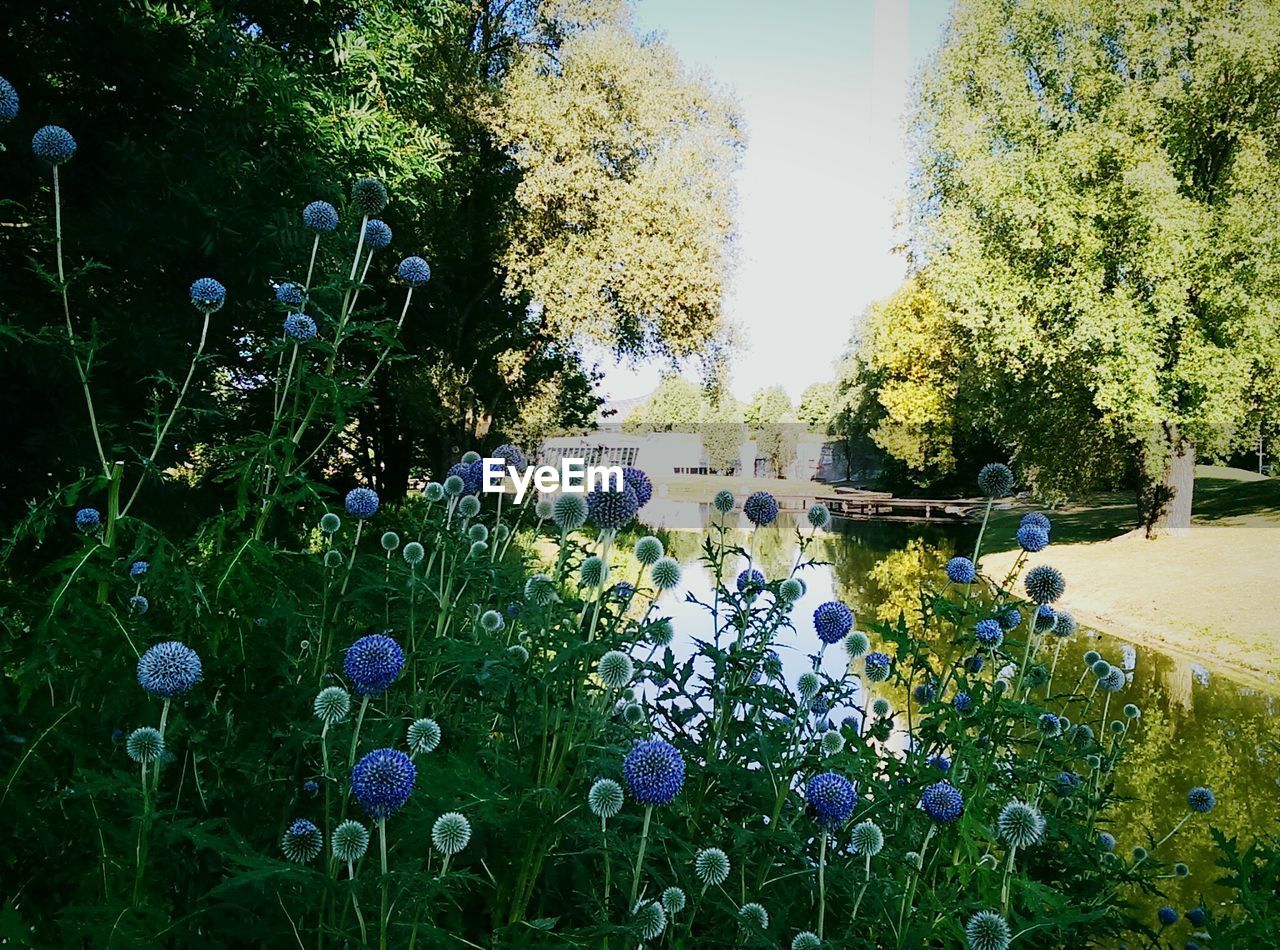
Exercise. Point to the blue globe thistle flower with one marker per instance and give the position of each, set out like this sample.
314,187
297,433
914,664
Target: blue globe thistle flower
942,802
605,798
302,842
1049,725
350,841
414,271
1066,625
1032,539
433,492
1113,682
832,798
145,745
654,772
491,621
1167,916
450,833
761,509
866,839
1196,917
974,664
207,295
818,515
376,233
987,930
1011,619
877,666
592,571
1020,824
1139,853
963,703
569,511
362,502
790,590
413,553
723,501
940,762
753,917
423,736
368,195
478,532
472,475
320,216
8,101
924,693
750,578
639,482
332,704
372,663
469,506
1045,584
615,669
87,519
649,918
648,549
1201,800
832,621
470,456
857,644
610,509
311,787
330,523
139,604
665,573
624,591
138,569
382,782
673,900
52,144
168,669
960,570
819,707
1106,841
1067,783
881,707
299,327
995,480
1035,519
988,633
1046,619
512,455
290,294
831,743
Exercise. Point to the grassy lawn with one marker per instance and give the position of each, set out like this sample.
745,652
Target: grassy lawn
1214,594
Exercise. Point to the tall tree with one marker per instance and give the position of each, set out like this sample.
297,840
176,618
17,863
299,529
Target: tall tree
1087,208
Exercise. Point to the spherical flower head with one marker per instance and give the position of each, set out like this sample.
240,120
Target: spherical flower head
1106,841
665,573
806,940
87,519
831,743
290,294
330,523
467,474
569,511
491,621
372,663
808,685
299,327
468,506
750,579
650,919
413,553
423,736
1201,800
543,508
605,798
1066,625
451,833
1032,539
831,797
1131,711
940,762
540,590
1067,783
711,865
382,782
139,604
333,559
145,745
302,842
1113,682
350,841
648,549
52,144
320,216
8,101
1049,725
673,900
615,669
989,633
368,195
924,693
208,295
138,569
434,492
332,705
414,271
1046,619
832,621
518,654
592,572
857,644
866,839
1045,584
638,482
1020,824
963,703
761,508
377,234
1196,917
995,480
1139,853
753,917
362,502
877,666
1035,519
168,669
662,633
819,708
818,514
987,930
654,772
610,509
960,570
1167,916
723,501
942,802
1011,619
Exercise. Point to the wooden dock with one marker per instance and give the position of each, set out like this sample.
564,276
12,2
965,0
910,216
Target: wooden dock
857,504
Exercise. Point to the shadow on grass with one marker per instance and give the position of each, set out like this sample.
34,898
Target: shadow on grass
1222,499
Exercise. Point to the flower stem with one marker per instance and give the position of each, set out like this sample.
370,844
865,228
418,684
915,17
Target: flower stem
822,884
644,840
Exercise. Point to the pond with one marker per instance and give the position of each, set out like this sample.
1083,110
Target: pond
1198,726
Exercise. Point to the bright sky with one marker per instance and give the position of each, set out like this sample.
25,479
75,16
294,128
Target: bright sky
823,86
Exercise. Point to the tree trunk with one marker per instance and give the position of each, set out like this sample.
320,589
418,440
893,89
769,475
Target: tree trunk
1170,508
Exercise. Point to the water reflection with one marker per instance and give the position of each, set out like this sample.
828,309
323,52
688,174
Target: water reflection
1198,727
